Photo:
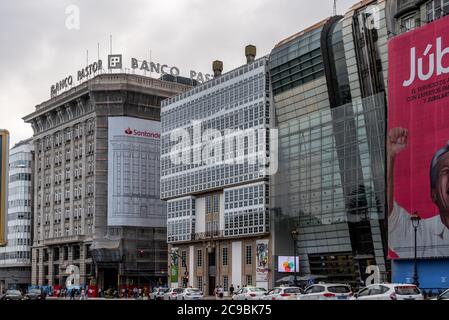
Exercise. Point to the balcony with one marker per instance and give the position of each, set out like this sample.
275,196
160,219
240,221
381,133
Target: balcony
69,239
217,234
406,6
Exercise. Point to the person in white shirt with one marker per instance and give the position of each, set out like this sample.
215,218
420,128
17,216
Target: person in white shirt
433,233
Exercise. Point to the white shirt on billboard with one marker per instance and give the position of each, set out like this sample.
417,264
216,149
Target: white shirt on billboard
432,235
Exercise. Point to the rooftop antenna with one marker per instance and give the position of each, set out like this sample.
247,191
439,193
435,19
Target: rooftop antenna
335,7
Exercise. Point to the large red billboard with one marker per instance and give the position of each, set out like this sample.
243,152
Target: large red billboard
418,141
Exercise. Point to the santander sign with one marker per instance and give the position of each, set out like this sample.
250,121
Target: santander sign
142,133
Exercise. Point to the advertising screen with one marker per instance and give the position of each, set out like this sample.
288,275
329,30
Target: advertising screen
287,264
418,142
133,173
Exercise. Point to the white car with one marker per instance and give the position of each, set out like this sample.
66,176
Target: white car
443,296
191,294
389,291
249,293
282,293
158,293
172,293
327,291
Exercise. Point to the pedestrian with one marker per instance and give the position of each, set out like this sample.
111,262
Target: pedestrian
216,292
83,294
220,292
72,294
231,290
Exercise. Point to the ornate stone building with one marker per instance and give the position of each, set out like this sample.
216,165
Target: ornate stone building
71,185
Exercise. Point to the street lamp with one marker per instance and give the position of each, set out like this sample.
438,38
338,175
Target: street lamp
416,219
295,235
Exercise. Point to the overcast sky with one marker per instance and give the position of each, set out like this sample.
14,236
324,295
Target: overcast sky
37,49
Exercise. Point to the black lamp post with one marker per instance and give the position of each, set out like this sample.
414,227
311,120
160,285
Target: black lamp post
294,234
416,219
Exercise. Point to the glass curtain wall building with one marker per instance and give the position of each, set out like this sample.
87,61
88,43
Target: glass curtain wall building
15,258
329,95
217,205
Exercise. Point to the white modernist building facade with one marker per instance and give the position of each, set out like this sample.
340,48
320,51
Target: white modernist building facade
215,148
15,257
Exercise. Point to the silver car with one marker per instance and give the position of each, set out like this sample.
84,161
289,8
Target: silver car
191,294
249,293
282,293
327,291
389,291
443,296
172,294
158,293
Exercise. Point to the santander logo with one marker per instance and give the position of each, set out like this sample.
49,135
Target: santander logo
435,63
138,133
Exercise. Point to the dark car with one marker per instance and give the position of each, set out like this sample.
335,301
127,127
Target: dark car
35,294
12,295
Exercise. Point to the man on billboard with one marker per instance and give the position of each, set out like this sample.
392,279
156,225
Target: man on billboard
433,233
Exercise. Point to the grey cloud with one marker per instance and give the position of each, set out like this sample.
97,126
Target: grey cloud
37,50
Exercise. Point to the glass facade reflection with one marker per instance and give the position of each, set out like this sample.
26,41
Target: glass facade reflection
330,183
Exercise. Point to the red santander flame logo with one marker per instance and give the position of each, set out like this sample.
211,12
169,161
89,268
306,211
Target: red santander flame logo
128,131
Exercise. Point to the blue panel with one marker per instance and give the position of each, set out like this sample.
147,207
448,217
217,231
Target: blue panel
433,274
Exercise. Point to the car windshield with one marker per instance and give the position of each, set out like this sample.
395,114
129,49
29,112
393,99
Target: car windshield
15,292
445,295
257,289
292,290
407,290
194,290
36,291
339,289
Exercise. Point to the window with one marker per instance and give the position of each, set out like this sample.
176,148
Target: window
76,252
199,282
408,23
436,9
225,283
225,256
249,254
249,280
184,259
199,257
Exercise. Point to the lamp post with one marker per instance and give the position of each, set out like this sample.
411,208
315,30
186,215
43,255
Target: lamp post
416,219
294,234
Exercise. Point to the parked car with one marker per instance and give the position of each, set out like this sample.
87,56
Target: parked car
249,293
190,294
389,291
282,293
172,293
443,296
35,294
12,295
158,293
326,291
